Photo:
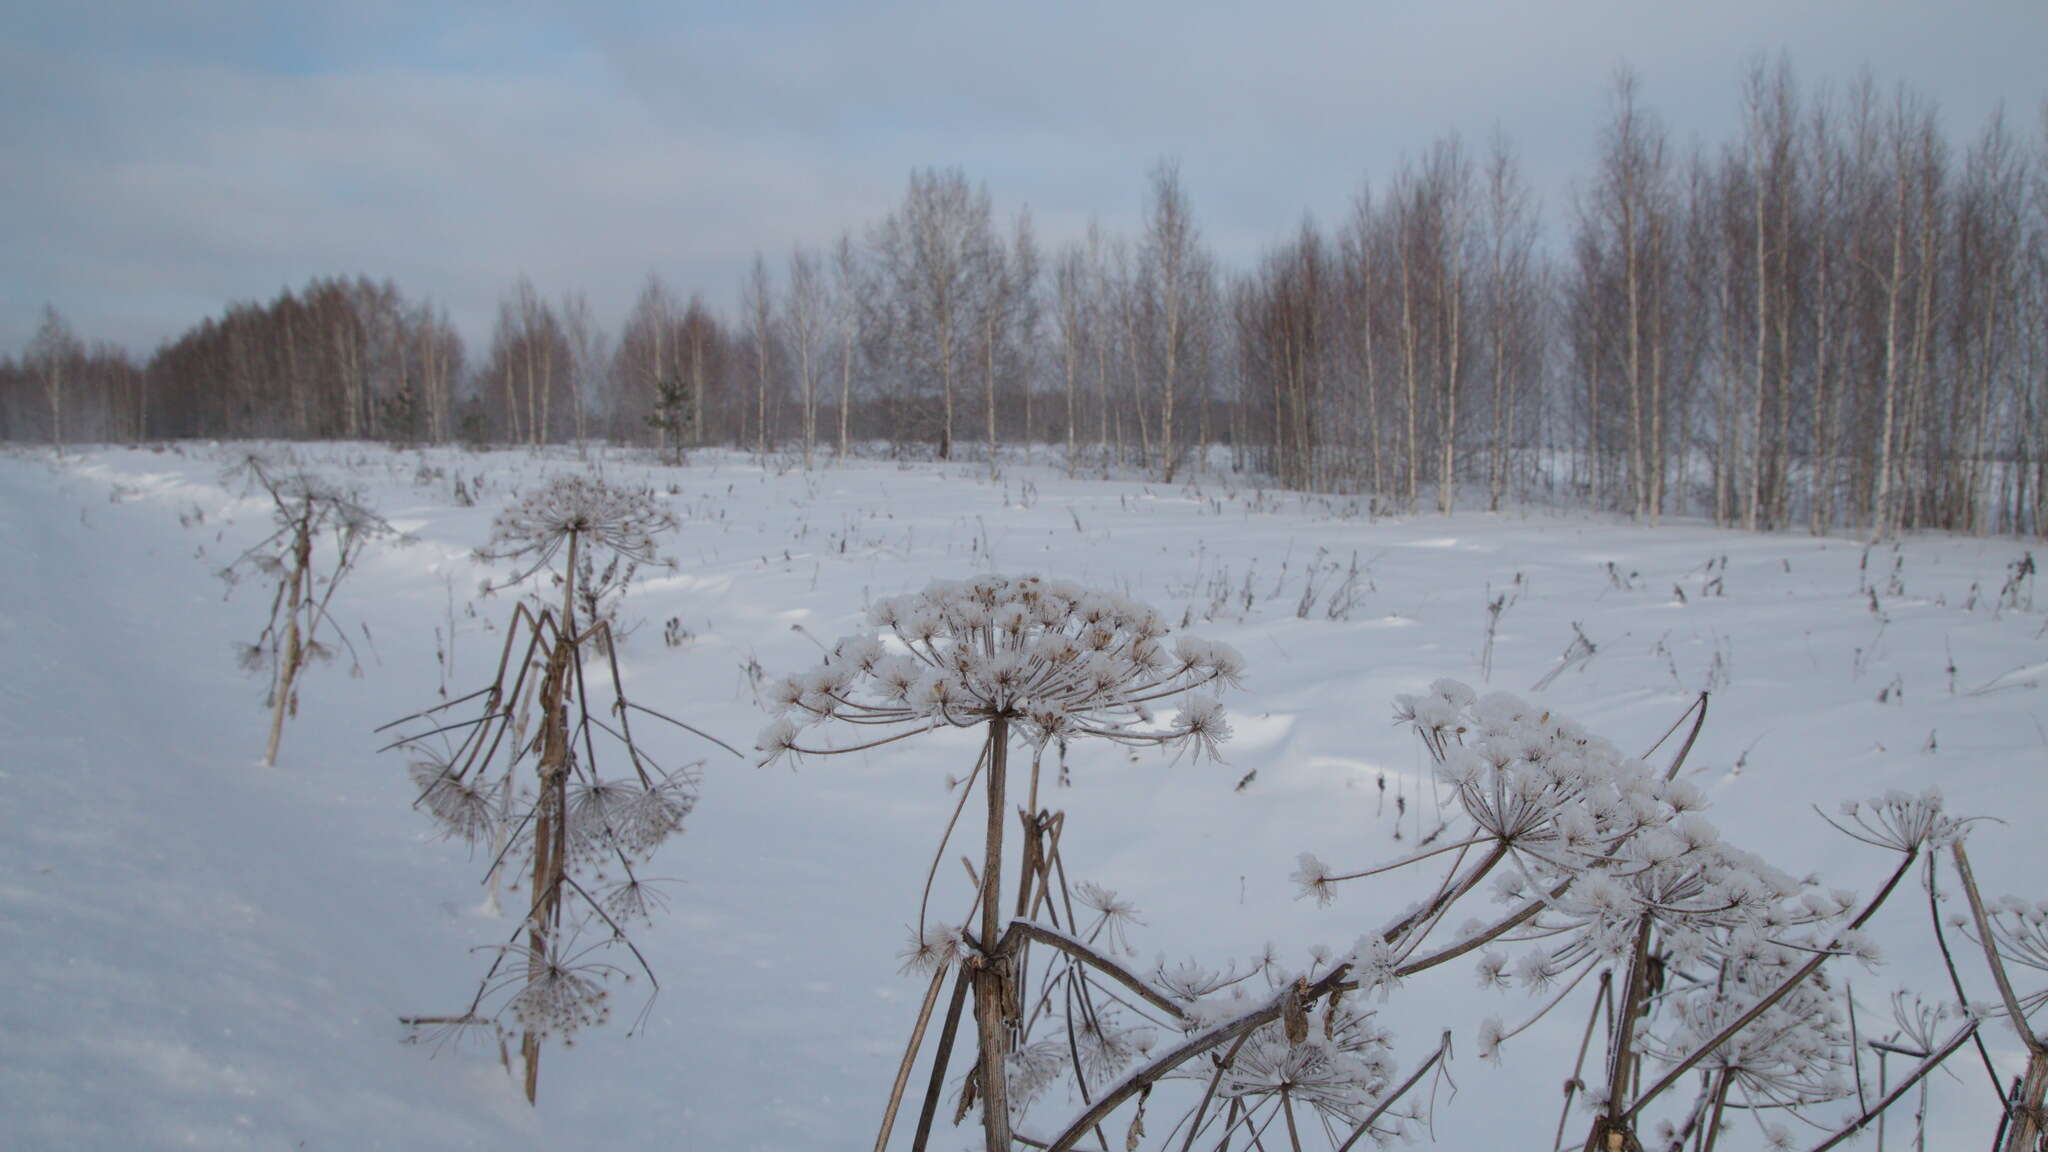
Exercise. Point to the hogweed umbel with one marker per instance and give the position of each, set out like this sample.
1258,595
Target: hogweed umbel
306,511
523,780
1032,662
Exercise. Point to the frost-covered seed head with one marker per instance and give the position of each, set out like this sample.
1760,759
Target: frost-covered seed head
464,812
602,516
1055,660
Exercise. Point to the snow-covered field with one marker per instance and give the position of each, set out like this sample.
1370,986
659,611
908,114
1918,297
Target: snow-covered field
199,951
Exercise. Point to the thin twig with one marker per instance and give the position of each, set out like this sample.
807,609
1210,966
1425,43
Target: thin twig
1933,1061
924,1015
940,1060
1443,1049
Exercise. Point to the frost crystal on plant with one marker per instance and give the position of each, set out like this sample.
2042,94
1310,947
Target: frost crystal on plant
623,521
523,777
1059,661
1901,821
1341,1068
463,810
309,516
1709,959
1042,663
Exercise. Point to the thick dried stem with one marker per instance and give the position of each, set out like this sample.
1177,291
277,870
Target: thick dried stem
991,986
294,646
2027,1121
1613,1129
2032,1043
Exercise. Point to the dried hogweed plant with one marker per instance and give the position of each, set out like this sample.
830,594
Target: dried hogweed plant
1707,966
306,512
2012,933
514,769
1032,665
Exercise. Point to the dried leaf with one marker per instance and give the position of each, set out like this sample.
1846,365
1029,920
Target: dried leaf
1293,1014
967,1094
1136,1133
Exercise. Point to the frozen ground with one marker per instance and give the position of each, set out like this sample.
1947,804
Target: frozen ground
199,951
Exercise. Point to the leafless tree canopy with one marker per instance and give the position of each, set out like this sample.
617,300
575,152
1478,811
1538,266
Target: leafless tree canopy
1836,321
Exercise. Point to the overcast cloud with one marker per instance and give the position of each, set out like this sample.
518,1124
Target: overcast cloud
158,161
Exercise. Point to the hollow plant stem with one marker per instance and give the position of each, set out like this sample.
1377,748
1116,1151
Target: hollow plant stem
294,644
2025,1111
991,992
549,833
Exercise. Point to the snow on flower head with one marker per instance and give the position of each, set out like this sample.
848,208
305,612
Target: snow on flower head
1375,965
1340,1070
1053,659
1604,845
2019,933
1902,821
601,515
1491,1033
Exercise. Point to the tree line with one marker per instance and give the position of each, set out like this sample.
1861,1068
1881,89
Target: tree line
1836,320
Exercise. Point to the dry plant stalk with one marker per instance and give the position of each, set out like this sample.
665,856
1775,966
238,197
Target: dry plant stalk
1029,662
1707,960
536,796
2014,933
304,509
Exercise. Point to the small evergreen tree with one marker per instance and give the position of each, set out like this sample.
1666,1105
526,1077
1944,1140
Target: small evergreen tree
671,417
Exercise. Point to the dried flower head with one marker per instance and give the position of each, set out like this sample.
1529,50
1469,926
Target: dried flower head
623,521
1055,660
626,818
464,811
636,898
2019,933
935,948
1793,1054
1901,821
1341,1068
1115,915
560,992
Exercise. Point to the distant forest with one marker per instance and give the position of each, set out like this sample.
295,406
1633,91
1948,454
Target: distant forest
1837,321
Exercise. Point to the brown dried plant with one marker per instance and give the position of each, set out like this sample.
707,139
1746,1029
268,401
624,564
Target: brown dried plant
305,511
521,777
1038,664
1704,961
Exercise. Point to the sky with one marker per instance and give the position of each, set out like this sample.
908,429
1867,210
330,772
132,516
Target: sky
160,160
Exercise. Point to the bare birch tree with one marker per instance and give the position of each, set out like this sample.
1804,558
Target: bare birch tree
803,309
1171,264
760,313
847,286
1510,253
50,356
